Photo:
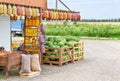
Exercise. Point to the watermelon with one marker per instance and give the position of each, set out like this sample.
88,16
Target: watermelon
61,44
46,59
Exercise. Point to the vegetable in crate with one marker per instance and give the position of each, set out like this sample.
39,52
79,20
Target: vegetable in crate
46,59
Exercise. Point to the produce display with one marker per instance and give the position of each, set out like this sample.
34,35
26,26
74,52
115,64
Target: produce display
29,22
59,42
1,8
9,9
5,9
60,15
60,50
31,32
31,36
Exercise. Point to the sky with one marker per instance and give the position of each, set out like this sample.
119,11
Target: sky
91,9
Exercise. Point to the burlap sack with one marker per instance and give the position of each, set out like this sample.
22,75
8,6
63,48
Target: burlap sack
35,63
25,67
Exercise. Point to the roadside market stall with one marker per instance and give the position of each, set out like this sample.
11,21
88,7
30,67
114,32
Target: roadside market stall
34,32
10,10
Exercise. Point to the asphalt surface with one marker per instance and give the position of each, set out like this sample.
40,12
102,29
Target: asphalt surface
101,63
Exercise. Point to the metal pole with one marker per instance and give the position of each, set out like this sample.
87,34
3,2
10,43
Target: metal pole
56,4
65,5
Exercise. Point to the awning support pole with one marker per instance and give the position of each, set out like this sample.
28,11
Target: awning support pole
65,5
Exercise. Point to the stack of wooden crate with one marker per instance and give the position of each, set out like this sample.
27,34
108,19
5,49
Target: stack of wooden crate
57,56
60,56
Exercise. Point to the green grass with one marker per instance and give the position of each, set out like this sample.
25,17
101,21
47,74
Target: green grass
83,30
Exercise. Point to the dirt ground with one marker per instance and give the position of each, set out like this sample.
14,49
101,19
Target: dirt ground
101,63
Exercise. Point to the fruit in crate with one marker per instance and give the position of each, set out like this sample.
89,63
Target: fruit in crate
46,59
37,22
30,22
27,41
33,21
34,42
27,22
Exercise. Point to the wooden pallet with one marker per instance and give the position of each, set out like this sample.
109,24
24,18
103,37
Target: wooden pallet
31,74
62,56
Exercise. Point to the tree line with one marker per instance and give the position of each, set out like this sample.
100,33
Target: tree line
100,20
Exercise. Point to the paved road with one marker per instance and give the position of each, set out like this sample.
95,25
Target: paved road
101,63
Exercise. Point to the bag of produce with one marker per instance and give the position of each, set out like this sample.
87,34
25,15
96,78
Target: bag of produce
25,67
35,63
26,11
78,16
4,9
19,10
30,11
37,12
44,14
14,10
22,10
9,9
1,9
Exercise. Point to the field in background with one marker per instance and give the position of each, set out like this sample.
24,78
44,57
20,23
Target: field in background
104,23
89,29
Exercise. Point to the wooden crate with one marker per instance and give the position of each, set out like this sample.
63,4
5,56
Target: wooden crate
58,56
78,51
8,60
